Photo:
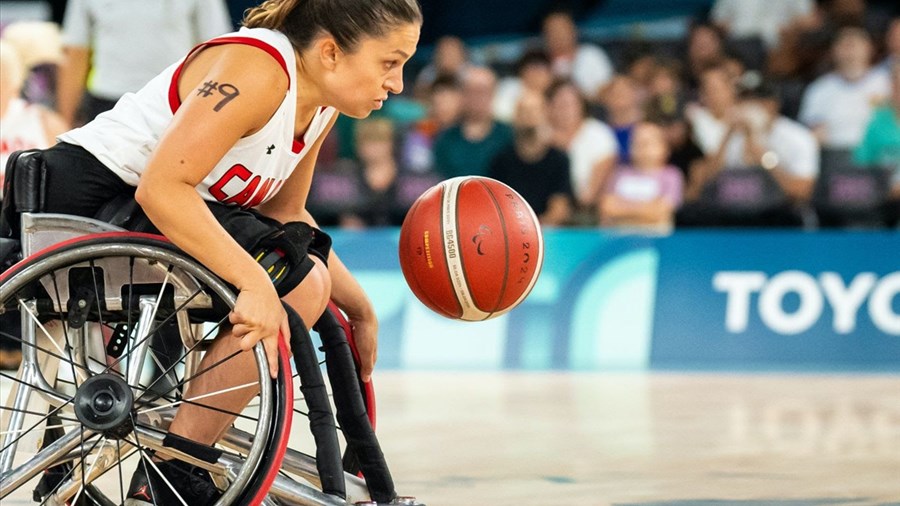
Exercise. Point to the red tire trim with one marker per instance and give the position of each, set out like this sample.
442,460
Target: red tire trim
369,392
175,100
75,240
278,457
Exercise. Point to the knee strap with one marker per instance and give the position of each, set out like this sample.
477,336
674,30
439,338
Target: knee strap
285,254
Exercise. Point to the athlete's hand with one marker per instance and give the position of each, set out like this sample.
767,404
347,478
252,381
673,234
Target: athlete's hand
365,335
259,316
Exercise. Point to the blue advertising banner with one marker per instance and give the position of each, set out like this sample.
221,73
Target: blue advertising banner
712,299
772,299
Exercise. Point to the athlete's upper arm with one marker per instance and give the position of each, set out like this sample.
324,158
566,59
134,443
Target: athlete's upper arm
226,93
290,201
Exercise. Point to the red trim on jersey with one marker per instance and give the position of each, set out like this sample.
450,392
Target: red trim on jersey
300,142
175,100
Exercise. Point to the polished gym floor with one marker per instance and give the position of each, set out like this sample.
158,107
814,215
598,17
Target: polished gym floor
679,439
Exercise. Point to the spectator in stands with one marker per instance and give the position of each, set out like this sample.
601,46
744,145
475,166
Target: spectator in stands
758,18
532,73
467,148
641,63
125,44
39,45
880,146
705,47
444,106
684,152
377,178
532,167
23,125
590,144
804,43
450,58
759,137
838,105
587,65
646,192
710,118
623,104
666,90
892,46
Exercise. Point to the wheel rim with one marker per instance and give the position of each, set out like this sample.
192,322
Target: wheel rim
88,444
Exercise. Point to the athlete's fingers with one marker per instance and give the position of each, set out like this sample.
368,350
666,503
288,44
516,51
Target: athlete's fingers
286,333
271,346
240,330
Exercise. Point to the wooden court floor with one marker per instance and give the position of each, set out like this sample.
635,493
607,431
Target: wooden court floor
674,439
642,439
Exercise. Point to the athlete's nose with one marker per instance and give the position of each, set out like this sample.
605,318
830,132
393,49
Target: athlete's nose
394,82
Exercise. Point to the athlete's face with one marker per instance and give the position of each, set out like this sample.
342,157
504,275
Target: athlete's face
362,80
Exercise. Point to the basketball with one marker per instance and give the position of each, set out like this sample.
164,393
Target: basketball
471,248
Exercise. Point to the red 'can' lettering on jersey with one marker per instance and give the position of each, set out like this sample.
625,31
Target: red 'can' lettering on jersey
254,192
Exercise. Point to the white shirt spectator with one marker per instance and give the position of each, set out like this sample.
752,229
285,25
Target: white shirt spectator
794,145
843,107
134,40
709,131
509,90
594,141
762,18
21,127
590,69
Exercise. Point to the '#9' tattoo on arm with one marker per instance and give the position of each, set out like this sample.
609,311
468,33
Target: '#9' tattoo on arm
229,91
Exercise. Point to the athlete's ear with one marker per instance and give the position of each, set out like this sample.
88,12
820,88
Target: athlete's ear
329,52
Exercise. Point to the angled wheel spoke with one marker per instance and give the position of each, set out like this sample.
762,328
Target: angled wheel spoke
193,400
185,354
37,413
57,426
47,334
39,422
71,471
202,371
154,329
119,461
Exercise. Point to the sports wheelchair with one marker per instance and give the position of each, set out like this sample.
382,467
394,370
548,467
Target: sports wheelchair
113,325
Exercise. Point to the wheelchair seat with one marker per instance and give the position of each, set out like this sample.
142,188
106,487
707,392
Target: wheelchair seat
26,227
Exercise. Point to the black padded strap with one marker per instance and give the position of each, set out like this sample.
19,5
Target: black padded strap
351,410
192,448
321,419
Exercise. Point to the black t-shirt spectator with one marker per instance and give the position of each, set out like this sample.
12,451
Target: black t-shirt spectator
685,155
535,181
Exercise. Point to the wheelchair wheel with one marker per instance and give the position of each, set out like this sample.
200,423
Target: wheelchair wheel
114,329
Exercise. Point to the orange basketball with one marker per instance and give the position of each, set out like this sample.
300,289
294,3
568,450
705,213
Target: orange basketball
471,248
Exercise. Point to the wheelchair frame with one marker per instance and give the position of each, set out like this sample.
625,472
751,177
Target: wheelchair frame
40,231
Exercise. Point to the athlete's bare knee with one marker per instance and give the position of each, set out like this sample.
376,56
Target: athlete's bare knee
310,297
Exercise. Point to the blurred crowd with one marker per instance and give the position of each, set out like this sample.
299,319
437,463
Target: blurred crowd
779,114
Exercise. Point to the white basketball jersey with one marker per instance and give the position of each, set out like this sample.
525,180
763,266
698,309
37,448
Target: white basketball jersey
250,173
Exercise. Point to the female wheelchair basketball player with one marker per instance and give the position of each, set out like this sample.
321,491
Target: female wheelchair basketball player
219,151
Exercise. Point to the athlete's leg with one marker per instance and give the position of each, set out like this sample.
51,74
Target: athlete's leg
206,426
